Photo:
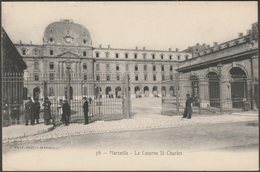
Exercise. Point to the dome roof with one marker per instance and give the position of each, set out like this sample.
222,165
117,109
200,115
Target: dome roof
65,32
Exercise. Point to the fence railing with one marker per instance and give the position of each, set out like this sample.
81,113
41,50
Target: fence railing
108,97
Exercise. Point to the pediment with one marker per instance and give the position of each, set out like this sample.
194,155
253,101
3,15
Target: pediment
68,54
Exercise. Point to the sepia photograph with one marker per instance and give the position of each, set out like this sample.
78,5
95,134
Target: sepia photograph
130,86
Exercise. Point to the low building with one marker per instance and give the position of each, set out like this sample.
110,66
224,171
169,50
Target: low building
224,75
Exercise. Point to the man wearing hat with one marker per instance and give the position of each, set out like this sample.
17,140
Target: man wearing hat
85,109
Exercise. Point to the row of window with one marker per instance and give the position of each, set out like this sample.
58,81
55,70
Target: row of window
24,51
51,67
108,77
97,54
136,68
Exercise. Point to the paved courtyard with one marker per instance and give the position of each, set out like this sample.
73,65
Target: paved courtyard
146,116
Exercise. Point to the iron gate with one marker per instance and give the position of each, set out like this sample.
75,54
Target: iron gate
109,98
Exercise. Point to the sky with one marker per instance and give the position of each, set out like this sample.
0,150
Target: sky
155,25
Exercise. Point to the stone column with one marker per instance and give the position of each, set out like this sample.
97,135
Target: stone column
225,93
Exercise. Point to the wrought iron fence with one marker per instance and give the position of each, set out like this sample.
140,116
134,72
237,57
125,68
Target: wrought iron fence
108,97
211,94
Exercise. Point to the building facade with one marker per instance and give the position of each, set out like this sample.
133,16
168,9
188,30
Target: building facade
225,75
68,45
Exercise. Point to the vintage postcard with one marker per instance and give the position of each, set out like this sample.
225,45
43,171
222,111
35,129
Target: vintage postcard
130,86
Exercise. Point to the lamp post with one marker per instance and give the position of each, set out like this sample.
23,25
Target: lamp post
68,67
219,67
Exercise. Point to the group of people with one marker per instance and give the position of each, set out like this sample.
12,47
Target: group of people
32,111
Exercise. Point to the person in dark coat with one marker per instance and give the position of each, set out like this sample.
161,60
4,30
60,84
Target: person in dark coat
15,113
36,110
85,110
47,111
66,112
28,111
188,107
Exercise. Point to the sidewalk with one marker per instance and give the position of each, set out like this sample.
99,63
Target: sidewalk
140,122
20,131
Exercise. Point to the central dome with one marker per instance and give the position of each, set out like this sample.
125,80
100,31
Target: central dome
66,32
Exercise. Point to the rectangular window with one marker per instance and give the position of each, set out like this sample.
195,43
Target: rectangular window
153,56
117,67
162,67
108,78
135,55
186,57
97,54
107,54
36,77
145,67
84,53
136,68
51,91
51,65
51,76
107,67
126,55
154,77
145,77
170,57
117,55
162,56
85,77
97,77
97,67
127,67
154,68
171,68
163,77
36,65
24,52
84,66
144,56
117,77
178,57
136,77
51,52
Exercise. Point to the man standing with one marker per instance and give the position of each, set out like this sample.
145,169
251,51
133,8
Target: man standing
47,111
85,109
36,109
188,107
66,112
28,111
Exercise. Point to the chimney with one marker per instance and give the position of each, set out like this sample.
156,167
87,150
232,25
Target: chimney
240,34
21,42
136,48
215,43
100,46
248,31
143,48
170,49
108,46
177,50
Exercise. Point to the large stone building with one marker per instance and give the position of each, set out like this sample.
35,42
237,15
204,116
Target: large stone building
68,43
